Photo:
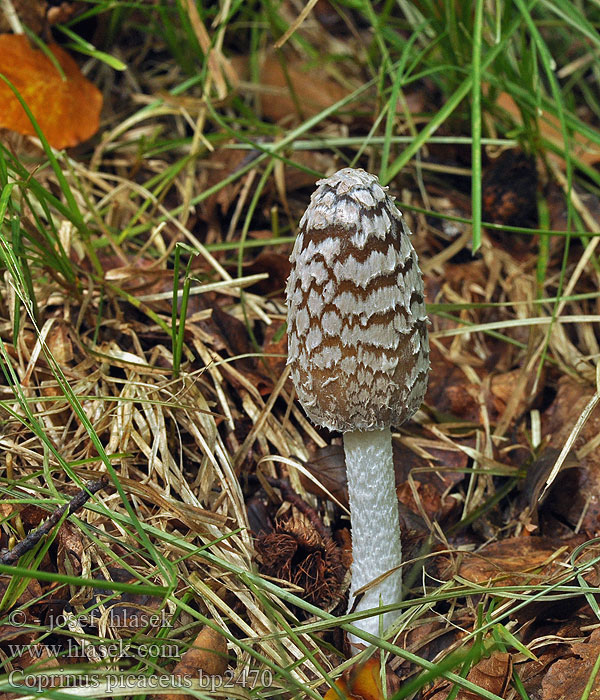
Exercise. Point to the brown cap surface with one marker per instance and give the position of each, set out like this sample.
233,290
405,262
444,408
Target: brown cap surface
357,325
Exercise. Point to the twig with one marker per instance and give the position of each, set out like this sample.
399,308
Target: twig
10,557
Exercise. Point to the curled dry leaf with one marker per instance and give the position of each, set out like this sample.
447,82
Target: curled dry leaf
429,640
329,469
276,265
360,682
535,480
67,110
449,389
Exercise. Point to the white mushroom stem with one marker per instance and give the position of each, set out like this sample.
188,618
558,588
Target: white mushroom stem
376,547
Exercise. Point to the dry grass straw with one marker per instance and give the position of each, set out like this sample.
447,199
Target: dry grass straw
181,447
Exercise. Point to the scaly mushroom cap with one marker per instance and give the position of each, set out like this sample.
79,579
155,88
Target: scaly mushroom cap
357,327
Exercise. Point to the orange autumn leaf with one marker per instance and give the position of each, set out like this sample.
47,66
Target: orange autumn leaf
361,682
67,110
583,149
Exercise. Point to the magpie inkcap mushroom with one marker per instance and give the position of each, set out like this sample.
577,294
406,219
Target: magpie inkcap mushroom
359,356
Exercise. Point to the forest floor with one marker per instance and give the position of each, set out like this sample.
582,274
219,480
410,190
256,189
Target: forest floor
199,540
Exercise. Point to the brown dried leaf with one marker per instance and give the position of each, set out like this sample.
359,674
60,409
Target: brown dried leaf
7,509
550,127
329,467
513,561
60,345
449,390
532,673
311,89
234,333
535,480
70,550
430,639
429,499
67,111
276,265
32,516
40,655
220,163
21,613
360,682
568,677
207,654
492,674
502,388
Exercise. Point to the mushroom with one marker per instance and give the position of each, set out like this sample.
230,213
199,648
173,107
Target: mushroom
359,357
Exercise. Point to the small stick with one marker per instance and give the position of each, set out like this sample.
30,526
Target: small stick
10,557
295,499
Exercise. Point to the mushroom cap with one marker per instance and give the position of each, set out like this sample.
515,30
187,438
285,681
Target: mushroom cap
357,326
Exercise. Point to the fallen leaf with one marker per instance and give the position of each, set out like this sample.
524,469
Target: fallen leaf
296,89
208,654
328,466
513,561
492,674
222,162
534,482
429,640
502,388
449,391
67,110
70,549
568,677
360,682
60,345
581,147
532,673
428,498
276,265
